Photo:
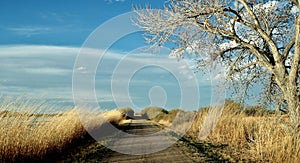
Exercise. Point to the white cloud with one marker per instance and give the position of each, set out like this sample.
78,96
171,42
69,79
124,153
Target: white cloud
36,50
40,69
228,45
29,31
81,68
182,67
48,71
37,69
60,17
111,1
294,10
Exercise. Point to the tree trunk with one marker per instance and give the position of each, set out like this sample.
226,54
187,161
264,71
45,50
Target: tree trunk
291,96
293,102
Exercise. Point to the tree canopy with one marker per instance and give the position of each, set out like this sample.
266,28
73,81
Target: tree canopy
258,41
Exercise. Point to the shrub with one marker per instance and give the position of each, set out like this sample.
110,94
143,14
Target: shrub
152,111
127,111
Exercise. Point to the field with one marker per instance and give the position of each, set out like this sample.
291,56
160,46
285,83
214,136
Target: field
254,134
29,134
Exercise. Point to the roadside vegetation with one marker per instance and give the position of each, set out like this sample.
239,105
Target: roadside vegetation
250,133
28,133
152,111
127,111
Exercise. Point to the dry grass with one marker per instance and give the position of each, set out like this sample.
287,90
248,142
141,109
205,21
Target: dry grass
264,138
256,136
28,133
152,111
272,141
24,138
128,111
165,116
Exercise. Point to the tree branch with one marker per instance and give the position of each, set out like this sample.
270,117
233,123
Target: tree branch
240,69
280,70
263,60
288,48
296,59
247,84
229,9
295,2
250,12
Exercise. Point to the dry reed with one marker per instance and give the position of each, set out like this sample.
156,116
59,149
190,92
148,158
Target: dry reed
262,138
29,133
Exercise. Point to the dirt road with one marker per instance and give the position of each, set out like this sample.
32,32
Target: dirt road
146,137
147,140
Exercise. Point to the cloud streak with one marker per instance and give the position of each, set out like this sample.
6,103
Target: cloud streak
30,30
111,1
47,70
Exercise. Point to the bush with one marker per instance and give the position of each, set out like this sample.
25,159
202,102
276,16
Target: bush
152,111
127,111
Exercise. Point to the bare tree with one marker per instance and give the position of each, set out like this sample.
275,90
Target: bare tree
258,40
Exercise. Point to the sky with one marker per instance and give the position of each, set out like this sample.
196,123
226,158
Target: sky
62,23
40,41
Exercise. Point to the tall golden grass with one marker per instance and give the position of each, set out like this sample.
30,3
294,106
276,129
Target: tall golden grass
26,132
261,137
255,134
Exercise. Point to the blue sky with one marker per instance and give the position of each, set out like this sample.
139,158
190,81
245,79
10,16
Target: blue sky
58,22
40,41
